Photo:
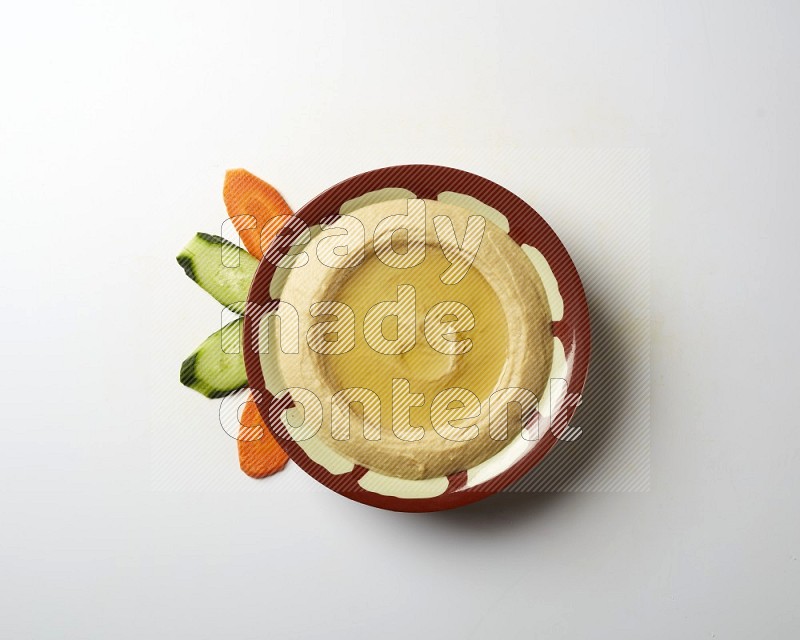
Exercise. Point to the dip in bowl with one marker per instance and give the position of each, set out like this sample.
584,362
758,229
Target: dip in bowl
417,338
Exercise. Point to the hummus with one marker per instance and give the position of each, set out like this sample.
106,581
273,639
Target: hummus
432,368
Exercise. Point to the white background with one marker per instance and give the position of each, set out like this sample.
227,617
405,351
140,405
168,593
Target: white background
116,125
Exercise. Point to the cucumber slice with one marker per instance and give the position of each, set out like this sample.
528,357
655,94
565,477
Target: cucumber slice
216,368
219,267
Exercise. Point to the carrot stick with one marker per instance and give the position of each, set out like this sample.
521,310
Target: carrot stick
258,456
246,195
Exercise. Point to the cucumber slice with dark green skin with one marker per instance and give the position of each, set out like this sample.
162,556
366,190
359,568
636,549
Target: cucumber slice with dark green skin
219,267
216,368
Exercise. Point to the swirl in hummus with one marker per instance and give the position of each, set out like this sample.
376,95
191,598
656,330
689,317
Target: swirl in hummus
424,331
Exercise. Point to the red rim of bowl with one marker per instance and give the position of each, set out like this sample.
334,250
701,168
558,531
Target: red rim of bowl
526,227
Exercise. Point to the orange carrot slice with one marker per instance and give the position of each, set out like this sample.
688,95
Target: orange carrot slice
246,195
259,453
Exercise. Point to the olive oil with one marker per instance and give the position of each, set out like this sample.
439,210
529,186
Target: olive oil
427,369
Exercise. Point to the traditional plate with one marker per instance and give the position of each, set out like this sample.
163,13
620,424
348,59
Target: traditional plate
570,330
